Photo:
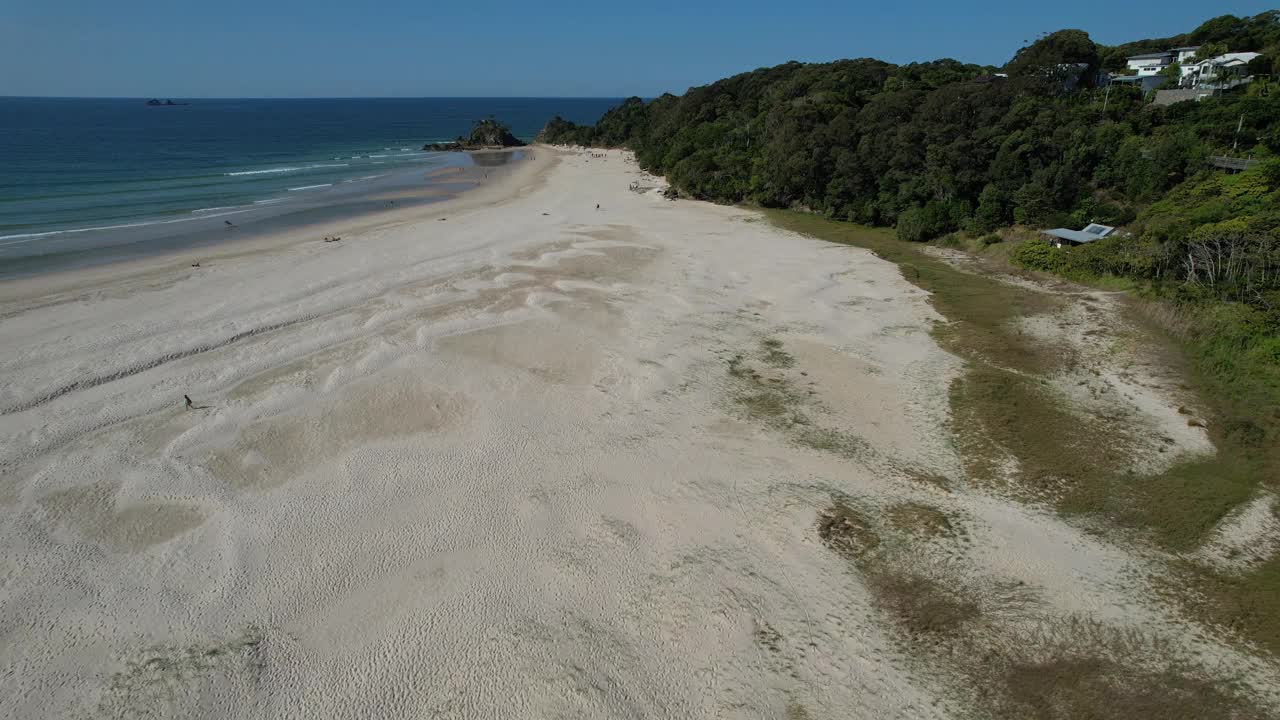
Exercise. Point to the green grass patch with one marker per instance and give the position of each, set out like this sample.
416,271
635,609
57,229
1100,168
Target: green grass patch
1244,603
1231,354
1185,503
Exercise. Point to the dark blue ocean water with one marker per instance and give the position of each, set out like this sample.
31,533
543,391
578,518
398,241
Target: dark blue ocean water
83,164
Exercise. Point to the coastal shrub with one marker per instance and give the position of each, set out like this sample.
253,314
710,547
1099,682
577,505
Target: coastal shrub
918,224
993,211
912,226
1039,255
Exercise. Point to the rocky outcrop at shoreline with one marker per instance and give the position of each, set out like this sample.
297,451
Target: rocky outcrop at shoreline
488,134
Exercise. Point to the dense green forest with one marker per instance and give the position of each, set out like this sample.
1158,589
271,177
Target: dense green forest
941,147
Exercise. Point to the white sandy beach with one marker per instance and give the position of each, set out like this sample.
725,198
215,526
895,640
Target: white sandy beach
481,460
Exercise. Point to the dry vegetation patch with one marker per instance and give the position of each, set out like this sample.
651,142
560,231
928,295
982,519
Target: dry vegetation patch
997,647
846,531
1074,667
774,355
925,598
919,519
160,677
1004,656
762,391
932,601
919,605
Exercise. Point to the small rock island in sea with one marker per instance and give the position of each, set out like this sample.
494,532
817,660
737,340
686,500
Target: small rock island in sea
488,134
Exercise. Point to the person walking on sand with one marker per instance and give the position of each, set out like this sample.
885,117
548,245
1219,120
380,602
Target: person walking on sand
597,206
190,405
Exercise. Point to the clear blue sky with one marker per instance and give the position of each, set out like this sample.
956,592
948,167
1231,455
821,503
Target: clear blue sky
291,48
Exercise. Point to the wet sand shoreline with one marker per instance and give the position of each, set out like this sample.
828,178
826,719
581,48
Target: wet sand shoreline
343,204
431,193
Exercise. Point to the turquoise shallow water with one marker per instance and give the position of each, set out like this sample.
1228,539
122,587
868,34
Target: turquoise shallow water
78,174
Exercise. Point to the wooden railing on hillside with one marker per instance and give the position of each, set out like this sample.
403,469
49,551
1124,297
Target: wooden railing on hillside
1230,163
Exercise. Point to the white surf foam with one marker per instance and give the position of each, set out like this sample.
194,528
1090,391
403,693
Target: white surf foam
262,172
28,237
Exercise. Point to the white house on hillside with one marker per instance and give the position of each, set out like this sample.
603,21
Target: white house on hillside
1212,75
1153,63
1223,70
1149,64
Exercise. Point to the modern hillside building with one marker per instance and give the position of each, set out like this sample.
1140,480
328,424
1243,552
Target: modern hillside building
1152,63
1196,79
1223,71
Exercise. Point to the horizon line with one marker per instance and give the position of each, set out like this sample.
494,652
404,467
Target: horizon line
318,97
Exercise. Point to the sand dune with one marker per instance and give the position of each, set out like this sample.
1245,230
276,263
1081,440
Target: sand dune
490,467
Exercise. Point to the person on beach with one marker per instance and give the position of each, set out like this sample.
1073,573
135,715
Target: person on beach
190,405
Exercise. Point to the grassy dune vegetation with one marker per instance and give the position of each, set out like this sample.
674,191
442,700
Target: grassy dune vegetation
1000,408
1003,654
1009,656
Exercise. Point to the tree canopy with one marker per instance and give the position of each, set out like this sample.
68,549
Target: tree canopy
942,146
1260,33
1053,53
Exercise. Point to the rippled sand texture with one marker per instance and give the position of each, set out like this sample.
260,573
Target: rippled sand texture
486,462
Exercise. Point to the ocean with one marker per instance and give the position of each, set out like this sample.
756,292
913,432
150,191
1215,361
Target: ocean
84,181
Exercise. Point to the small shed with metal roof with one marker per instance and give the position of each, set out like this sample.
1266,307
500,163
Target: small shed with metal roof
1060,237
